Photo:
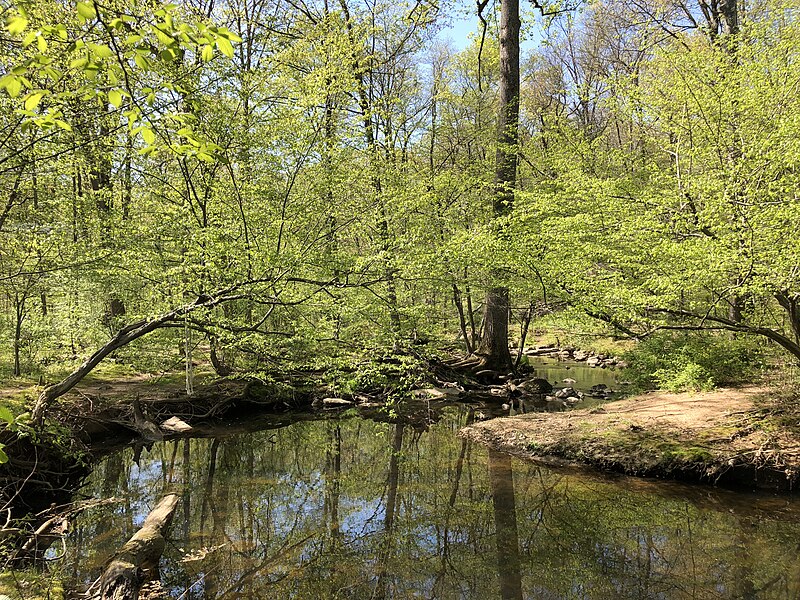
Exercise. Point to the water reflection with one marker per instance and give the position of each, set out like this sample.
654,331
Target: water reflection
356,509
501,478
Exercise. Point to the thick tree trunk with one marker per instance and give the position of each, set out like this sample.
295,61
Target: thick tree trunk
494,344
137,561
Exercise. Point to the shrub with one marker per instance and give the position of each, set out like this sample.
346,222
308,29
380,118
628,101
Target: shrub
692,361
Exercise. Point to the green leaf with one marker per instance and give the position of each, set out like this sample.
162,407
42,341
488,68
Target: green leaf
32,101
14,87
225,47
141,61
3,455
148,136
101,51
163,36
6,415
86,11
115,98
16,25
228,34
208,53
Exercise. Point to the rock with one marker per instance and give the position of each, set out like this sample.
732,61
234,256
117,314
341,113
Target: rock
336,402
572,400
551,399
498,391
175,425
436,393
537,385
593,361
568,380
565,393
580,355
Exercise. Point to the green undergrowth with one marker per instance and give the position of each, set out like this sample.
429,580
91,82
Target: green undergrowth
31,585
680,362
390,376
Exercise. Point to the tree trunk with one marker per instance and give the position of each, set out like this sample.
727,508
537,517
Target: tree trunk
462,322
123,337
19,305
523,334
137,561
494,344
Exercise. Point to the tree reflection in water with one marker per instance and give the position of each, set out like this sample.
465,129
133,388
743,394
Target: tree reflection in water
501,478
357,509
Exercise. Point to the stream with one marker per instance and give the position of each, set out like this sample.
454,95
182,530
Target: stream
344,507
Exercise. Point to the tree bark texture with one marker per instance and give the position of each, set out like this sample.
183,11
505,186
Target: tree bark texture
137,561
494,343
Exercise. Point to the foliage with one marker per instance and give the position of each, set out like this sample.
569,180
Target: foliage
692,361
32,585
7,417
392,377
332,167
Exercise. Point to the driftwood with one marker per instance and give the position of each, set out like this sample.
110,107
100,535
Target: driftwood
137,561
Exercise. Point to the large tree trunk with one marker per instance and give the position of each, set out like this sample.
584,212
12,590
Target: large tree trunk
494,345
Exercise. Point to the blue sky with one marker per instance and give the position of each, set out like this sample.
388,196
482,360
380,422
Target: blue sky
459,30
463,25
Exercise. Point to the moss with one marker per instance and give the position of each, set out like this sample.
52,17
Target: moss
688,454
19,402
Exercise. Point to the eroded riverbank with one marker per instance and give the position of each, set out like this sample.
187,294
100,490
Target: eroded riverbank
728,436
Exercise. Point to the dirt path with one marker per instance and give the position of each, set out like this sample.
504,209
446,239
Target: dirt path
740,436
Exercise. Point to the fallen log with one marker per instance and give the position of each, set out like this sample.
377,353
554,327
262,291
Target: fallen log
137,561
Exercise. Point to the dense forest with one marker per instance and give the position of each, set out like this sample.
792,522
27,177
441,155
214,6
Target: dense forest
273,234
252,184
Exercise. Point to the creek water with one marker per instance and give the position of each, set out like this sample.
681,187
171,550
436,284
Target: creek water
345,507
577,374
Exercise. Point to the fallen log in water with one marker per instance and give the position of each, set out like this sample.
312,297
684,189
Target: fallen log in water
137,561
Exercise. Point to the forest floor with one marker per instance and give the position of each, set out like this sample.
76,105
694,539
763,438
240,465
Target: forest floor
747,436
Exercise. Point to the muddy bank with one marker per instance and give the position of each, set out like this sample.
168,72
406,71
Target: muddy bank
738,437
